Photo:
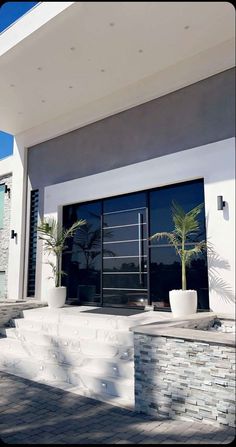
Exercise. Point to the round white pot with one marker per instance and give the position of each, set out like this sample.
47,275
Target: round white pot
183,302
56,297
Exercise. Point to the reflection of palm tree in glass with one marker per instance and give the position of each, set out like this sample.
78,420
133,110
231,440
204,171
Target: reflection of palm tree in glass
88,243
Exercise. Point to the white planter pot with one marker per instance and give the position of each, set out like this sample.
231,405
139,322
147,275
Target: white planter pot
56,297
183,302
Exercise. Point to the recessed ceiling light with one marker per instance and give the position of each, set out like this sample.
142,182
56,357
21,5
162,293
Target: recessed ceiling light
12,85
140,51
186,27
102,70
72,48
43,100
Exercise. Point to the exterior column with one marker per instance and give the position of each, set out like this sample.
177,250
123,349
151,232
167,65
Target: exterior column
18,200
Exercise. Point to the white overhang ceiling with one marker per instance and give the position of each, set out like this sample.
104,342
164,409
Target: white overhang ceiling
121,53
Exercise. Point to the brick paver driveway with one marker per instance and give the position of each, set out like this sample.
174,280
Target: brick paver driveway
32,413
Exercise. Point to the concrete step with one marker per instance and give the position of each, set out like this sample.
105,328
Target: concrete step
86,380
120,365
77,318
111,335
90,348
87,354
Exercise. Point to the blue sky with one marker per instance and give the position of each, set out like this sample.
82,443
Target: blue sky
9,12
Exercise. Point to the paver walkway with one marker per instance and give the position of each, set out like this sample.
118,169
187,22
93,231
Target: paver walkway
32,413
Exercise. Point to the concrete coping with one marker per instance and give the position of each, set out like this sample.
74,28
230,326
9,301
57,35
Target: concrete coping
186,328
22,303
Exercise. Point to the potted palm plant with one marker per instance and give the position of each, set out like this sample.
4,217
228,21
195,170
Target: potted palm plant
183,301
54,237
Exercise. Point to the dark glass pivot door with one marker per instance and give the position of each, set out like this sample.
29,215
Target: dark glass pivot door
124,275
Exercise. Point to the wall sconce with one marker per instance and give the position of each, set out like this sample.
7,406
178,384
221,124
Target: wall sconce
13,234
7,190
220,203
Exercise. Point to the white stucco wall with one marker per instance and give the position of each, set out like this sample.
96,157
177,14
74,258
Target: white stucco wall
17,219
214,162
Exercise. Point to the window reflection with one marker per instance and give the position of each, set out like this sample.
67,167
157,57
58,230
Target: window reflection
83,258
188,195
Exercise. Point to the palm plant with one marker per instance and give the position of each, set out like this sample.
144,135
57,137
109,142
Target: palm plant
186,225
54,237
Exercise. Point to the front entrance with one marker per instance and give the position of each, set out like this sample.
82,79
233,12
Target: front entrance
111,260
124,273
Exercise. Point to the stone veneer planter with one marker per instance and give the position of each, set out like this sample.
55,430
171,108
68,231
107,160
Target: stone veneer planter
183,373
10,310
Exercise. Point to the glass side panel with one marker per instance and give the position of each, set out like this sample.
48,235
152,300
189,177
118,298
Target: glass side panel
2,195
82,260
187,195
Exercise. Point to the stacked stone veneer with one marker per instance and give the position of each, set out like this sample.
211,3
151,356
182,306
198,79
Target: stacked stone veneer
184,379
5,232
9,311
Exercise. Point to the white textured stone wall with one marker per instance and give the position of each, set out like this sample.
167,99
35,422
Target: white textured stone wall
184,379
5,231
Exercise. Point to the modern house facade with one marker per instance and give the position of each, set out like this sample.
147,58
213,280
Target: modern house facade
113,121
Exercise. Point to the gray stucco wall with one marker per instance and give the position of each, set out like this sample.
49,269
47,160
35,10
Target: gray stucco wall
195,115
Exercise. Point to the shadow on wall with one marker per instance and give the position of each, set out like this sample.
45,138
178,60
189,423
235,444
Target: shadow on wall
215,263
216,283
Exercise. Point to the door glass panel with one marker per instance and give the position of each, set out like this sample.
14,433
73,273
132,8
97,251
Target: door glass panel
128,201
122,264
130,298
125,280
122,218
124,233
125,247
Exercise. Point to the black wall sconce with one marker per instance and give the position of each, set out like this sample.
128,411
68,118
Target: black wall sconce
220,203
7,190
13,234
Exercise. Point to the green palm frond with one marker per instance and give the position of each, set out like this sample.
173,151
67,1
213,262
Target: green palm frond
172,238
195,251
186,225
54,237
